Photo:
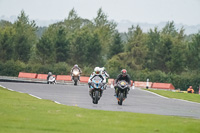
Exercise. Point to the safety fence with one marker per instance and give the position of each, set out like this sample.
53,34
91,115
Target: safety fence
85,79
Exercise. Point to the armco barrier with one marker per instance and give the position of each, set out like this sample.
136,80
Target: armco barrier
63,77
27,75
163,86
84,79
43,76
142,84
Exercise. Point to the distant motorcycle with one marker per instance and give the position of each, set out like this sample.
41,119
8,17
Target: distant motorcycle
97,89
122,89
51,80
75,76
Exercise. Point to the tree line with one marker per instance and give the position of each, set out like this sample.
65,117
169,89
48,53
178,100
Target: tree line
166,55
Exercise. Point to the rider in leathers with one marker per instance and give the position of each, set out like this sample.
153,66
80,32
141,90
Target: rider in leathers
49,74
75,67
123,76
97,72
105,76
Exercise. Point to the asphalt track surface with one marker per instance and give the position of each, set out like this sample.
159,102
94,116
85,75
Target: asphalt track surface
138,101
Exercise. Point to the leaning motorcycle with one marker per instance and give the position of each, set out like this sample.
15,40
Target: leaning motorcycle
97,89
122,89
51,80
75,76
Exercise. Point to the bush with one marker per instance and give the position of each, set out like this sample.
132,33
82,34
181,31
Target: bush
61,68
11,68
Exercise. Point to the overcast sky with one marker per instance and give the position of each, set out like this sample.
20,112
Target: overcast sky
149,11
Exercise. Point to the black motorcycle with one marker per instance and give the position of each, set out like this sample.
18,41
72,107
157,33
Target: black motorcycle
97,89
122,89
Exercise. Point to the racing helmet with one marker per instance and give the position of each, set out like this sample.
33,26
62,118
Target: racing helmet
97,70
50,73
75,65
124,72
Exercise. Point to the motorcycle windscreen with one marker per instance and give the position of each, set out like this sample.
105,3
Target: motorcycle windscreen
97,82
76,72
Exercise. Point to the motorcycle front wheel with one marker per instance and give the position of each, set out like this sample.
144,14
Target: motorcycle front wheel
121,97
96,97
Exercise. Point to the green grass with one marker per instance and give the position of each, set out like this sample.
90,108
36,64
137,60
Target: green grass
177,95
21,113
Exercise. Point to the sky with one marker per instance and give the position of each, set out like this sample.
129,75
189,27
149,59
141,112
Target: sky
144,11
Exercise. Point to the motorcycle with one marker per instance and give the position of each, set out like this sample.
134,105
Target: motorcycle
122,89
97,89
51,80
75,76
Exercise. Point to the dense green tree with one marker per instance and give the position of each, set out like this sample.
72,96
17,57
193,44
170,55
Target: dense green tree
25,37
61,45
136,48
152,44
116,47
7,34
193,55
105,30
45,48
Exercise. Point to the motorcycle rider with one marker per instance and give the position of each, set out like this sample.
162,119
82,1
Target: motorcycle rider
75,67
49,74
105,76
122,76
97,72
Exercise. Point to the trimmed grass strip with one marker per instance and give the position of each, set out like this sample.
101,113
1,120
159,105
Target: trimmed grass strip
21,113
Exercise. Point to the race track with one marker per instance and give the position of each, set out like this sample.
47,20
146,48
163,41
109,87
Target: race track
139,101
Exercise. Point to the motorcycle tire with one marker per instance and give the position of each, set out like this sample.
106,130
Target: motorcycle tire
75,81
96,97
121,97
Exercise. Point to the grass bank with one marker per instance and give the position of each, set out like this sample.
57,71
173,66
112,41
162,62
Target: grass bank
21,113
177,95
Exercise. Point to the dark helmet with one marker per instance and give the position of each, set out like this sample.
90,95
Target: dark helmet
124,72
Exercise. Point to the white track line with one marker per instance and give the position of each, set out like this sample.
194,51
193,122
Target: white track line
57,102
155,94
35,96
170,98
25,93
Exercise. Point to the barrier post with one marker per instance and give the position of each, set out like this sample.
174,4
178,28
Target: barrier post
147,86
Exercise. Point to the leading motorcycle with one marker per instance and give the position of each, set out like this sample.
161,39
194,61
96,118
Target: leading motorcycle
122,89
97,89
75,76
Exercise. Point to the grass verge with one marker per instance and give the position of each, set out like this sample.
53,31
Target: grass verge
21,113
177,95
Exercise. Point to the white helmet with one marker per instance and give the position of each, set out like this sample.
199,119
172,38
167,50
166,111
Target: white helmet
50,73
97,70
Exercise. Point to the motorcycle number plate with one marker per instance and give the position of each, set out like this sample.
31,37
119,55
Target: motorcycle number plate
122,83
